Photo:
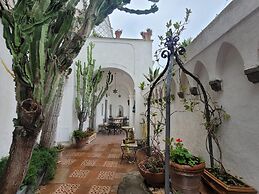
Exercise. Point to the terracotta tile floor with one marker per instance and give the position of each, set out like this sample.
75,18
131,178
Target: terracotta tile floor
96,168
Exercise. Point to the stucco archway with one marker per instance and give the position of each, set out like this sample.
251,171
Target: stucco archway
119,97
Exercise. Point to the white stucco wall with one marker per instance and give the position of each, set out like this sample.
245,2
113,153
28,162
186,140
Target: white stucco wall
227,47
131,56
7,99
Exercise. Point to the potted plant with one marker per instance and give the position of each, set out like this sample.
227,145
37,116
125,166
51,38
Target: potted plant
186,169
88,95
152,169
146,35
118,33
151,159
80,137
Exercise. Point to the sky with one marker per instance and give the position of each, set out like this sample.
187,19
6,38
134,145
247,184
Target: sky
203,12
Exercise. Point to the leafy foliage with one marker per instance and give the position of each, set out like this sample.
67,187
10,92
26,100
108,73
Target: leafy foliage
226,178
142,85
181,155
79,134
3,162
173,29
152,75
154,164
43,160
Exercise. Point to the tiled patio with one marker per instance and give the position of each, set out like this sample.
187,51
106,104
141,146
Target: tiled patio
96,168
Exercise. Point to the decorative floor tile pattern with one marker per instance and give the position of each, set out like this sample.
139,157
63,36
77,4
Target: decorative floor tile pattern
79,173
88,163
75,154
114,156
95,189
95,155
99,149
110,164
115,150
66,162
67,189
72,169
106,175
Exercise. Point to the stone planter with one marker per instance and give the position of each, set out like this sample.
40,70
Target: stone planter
186,179
90,138
220,187
153,179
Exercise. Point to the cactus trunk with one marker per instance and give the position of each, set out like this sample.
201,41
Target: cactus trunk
49,126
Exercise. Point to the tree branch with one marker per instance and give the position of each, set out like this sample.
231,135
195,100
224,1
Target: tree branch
152,9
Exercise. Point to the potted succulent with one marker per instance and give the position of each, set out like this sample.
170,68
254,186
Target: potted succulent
186,169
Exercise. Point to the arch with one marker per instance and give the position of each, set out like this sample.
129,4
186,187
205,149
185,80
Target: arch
127,80
184,83
225,49
120,112
201,72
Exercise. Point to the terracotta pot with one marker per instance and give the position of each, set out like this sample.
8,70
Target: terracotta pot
186,179
141,154
118,33
220,187
153,179
80,143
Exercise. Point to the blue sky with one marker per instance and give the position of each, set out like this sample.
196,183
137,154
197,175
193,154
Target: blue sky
203,12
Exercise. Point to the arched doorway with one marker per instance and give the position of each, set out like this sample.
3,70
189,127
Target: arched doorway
119,98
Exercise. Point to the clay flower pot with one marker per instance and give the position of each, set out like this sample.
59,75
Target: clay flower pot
153,179
186,179
118,33
80,142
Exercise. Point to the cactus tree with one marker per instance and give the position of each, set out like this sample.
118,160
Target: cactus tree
43,41
87,82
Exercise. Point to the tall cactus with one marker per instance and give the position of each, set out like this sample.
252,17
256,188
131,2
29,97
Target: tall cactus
87,81
43,42
97,96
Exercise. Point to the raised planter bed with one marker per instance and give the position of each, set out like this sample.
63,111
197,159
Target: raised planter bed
91,138
220,187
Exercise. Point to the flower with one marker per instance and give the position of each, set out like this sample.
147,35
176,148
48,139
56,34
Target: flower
178,140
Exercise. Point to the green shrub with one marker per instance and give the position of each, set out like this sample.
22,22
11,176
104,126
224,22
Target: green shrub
3,162
79,134
42,159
